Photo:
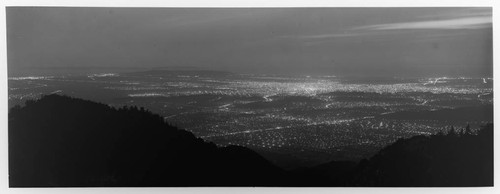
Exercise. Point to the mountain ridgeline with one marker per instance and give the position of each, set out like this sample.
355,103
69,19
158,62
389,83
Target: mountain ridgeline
63,141
60,141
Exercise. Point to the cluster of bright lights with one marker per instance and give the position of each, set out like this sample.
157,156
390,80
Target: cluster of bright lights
31,78
300,87
103,75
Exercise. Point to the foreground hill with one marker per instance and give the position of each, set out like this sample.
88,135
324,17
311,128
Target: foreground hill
457,159
63,141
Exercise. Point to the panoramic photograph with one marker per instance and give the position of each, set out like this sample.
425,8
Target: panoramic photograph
250,97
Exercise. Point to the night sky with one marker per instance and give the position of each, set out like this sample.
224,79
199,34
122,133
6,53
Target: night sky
331,41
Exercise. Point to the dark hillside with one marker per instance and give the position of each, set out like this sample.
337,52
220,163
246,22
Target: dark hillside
63,141
458,159
461,159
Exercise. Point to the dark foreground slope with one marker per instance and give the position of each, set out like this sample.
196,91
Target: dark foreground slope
457,159
63,141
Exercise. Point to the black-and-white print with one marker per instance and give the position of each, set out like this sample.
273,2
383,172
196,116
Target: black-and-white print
268,97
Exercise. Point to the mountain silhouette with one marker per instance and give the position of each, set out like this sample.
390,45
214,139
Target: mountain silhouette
63,141
458,159
60,141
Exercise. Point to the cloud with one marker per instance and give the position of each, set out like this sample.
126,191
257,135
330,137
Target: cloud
478,21
460,13
459,23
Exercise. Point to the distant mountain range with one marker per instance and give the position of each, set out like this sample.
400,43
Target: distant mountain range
473,113
60,141
183,72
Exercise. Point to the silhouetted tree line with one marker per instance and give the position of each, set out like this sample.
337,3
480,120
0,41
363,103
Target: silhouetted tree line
458,158
63,141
